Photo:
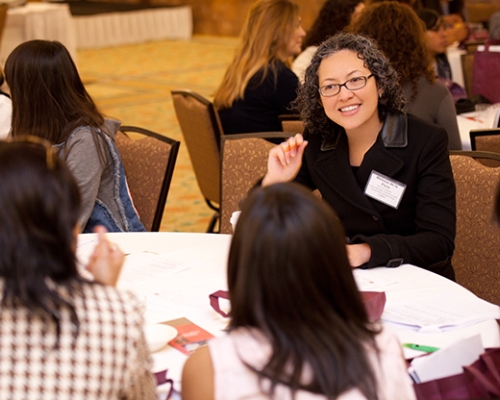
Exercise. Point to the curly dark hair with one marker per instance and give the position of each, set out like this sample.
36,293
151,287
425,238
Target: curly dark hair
333,17
308,101
400,34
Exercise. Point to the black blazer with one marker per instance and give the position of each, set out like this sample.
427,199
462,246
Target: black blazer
421,231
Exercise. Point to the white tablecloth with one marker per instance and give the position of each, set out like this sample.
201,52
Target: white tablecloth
38,20
120,28
174,273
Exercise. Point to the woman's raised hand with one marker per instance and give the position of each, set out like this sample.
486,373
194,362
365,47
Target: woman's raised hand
106,261
285,160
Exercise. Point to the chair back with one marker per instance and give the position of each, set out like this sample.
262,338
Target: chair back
476,259
149,163
3,17
201,129
486,140
244,162
467,61
291,123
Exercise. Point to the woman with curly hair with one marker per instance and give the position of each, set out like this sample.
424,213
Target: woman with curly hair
333,17
400,34
386,173
259,85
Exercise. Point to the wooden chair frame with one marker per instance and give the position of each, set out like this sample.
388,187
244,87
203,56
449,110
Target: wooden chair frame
169,170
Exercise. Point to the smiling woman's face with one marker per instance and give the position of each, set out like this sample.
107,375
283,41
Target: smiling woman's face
354,110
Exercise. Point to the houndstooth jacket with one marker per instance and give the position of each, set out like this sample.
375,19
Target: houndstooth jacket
107,360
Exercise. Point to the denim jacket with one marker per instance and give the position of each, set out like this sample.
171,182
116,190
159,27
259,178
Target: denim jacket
106,198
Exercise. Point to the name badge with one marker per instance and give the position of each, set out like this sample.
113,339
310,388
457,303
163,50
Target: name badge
384,189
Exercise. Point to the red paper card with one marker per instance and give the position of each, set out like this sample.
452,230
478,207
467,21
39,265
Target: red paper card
190,336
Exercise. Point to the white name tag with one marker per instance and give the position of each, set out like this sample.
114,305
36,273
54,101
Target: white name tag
385,189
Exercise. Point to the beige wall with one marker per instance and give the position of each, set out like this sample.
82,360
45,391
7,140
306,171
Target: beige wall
225,17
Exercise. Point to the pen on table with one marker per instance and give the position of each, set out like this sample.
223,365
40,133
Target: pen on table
419,347
474,119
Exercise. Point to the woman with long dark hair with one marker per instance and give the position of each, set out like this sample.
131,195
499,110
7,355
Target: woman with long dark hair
61,335
298,327
50,101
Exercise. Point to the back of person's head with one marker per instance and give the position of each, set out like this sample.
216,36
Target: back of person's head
431,18
333,17
400,34
39,209
289,277
268,26
414,4
48,97
309,102
264,37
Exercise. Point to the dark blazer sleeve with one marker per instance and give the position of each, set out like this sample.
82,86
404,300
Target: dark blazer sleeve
431,244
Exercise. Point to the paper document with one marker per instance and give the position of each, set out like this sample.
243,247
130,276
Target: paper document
440,312
369,282
447,361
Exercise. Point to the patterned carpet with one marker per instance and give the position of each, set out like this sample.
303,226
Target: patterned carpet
133,83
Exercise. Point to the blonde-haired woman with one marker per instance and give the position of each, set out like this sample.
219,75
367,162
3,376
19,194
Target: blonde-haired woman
259,84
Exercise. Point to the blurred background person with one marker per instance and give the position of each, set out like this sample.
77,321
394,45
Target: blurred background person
333,17
61,335
298,327
259,85
437,42
400,34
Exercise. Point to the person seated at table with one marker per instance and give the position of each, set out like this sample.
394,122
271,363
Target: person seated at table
453,17
259,85
386,173
298,326
333,17
437,42
5,110
50,101
61,335
400,34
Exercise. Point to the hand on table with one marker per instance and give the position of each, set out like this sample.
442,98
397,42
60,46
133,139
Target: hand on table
358,254
106,262
285,160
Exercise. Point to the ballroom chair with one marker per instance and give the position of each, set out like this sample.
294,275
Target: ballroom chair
149,163
244,162
291,123
467,61
3,17
201,130
477,257
486,140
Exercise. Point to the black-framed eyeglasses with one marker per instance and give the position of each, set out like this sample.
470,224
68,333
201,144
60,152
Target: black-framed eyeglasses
333,89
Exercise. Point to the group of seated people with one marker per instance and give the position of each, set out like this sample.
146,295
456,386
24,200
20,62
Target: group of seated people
376,146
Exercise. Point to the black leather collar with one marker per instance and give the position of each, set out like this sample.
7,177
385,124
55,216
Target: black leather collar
394,133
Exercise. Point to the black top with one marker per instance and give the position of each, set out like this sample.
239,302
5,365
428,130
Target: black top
421,231
262,103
